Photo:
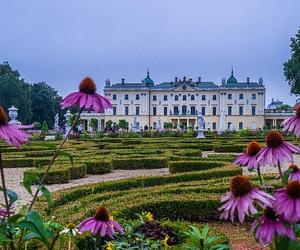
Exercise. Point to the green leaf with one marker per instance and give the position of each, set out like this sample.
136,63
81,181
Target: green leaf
68,155
13,197
47,195
285,177
3,238
14,218
28,180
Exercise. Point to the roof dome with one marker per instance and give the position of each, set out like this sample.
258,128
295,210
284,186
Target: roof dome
148,80
231,79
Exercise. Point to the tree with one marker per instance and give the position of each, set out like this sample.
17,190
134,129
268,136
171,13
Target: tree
123,124
109,124
94,124
284,107
45,103
292,66
15,91
45,128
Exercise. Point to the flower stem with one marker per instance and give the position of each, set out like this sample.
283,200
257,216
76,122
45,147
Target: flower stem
280,171
53,160
6,200
260,177
69,245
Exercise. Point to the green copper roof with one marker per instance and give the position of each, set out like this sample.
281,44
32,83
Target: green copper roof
231,79
148,80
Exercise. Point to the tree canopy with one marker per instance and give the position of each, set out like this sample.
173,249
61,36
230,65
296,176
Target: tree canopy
36,102
292,66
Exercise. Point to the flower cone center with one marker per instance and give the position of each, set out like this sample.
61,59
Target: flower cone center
87,86
3,117
270,213
293,189
298,110
102,214
240,185
253,148
294,167
274,139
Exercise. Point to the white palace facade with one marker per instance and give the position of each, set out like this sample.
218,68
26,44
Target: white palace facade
180,101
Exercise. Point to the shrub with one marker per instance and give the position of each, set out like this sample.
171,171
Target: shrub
229,148
130,142
187,166
98,167
140,163
78,171
19,163
54,176
191,152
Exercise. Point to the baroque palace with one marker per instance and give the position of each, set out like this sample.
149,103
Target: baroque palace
240,104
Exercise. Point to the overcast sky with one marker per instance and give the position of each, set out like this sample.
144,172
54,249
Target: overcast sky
61,41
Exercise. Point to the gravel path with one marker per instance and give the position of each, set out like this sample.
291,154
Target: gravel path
14,178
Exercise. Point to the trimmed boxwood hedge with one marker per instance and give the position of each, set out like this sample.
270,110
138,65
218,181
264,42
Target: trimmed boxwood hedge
78,171
55,175
187,166
230,148
19,163
140,163
98,166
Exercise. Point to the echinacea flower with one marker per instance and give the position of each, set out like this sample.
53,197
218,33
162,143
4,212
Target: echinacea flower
3,212
10,133
292,124
240,199
101,224
270,225
248,159
110,246
287,201
70,229
294,172
87,98
277,150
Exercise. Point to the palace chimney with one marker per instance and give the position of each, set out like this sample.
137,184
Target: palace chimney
248,79
199,79
123,80
176,79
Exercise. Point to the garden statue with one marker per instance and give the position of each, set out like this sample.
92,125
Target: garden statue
159,127
56,126
135,127
68,115
200,122
222,123
13,115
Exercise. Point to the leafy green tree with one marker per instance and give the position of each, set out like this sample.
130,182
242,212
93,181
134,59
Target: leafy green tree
123,124
109,124
15,91
45,103
292,66
45,128
284,107
94,124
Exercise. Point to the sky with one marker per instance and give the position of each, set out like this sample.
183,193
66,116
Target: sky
62,41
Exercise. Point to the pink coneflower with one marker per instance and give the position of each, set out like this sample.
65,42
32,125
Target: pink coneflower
10,133
248,159
270,225
241,197
87,98
277,150
101,224
294,174
287,201
292,124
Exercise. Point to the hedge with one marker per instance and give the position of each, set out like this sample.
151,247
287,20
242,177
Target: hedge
131,142
229,148
54,176
140,163
187,166
190,152
78,171
19,163
98,166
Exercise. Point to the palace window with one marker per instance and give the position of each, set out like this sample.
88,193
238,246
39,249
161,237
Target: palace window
126,97
165,98
229,110
203,98
184,97
154,98
114,97
253,96
253,110
126,110
184,110
203,110
241,96
214,97
241,110
214,125
176,97
165,110
114,110
154,110
193,110
176,110
240,125
192,97
229,96
137,110
229,125
137,97
214,110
